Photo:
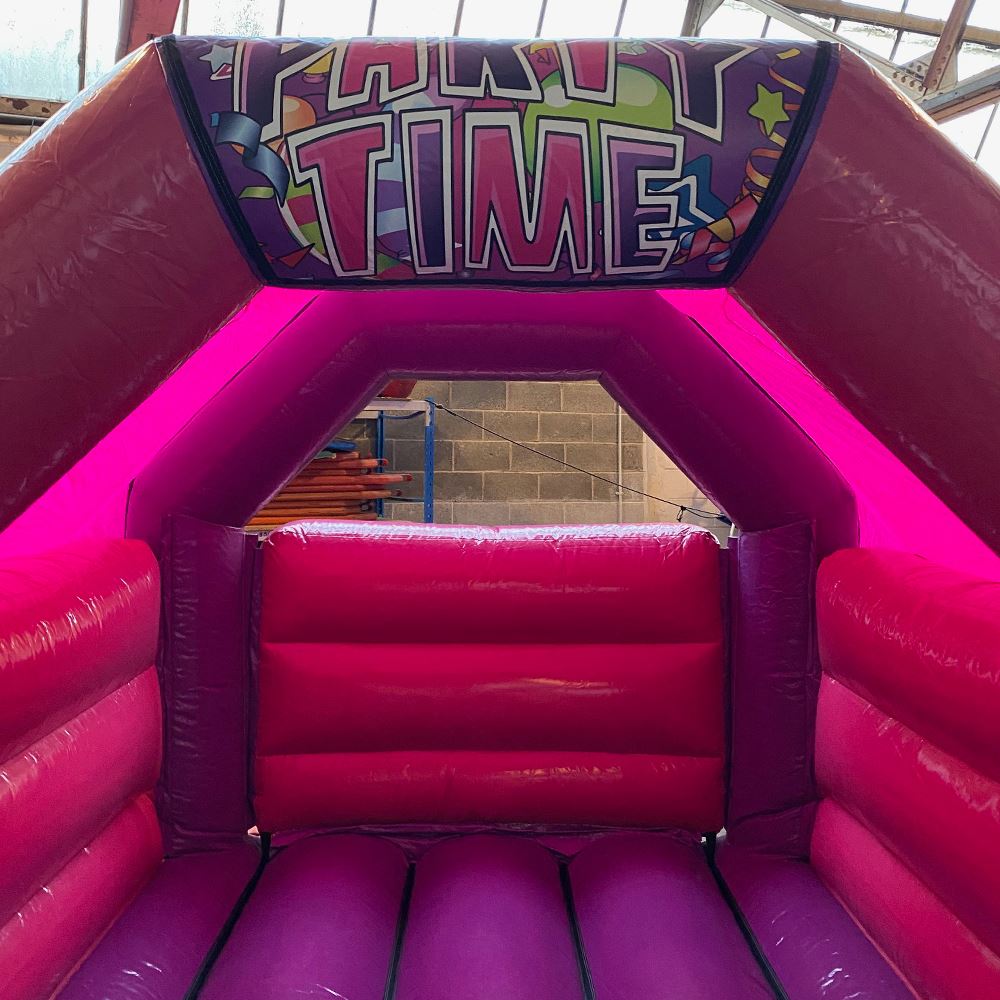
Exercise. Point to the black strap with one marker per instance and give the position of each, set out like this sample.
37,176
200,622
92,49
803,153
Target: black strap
397,947
586,981
748,935
201,976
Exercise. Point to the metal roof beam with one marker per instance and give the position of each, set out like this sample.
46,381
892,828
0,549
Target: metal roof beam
973,92
901,77
895,19
696,14
27,110
141,20
948,43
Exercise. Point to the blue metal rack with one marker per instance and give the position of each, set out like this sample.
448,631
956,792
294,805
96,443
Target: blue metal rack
381,410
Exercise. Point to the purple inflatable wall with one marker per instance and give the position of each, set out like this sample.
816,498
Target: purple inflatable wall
774,677
202,798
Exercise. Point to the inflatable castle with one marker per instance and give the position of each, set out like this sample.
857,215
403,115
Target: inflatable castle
377,761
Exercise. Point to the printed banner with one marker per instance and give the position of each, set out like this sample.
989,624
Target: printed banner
535,163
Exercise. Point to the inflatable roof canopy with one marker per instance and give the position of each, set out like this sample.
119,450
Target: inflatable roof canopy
791,277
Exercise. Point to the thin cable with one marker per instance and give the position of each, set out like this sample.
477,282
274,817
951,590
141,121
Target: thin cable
899,34
682,509
621,18
459,10
986,133
541,18
371,18
81,57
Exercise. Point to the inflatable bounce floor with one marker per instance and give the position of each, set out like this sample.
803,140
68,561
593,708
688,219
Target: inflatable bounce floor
376,761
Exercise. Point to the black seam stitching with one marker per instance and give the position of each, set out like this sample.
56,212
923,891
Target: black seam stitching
397,948
208,159
748,935
816,89
583,966
205,969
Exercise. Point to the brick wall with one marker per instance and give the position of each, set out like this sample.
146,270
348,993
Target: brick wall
481,479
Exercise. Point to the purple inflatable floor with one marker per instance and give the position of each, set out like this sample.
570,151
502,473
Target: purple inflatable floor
359,916
488,917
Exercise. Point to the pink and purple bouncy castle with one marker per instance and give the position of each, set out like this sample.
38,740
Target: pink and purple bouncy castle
387,762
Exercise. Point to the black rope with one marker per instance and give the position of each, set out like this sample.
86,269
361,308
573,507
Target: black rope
682,509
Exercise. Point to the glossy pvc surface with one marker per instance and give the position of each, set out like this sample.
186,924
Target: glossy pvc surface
154,271
938,955
321,923
920,642
909,705
107,233
483,917
654,925
90,500
937,803
75,624
471,583
58,925
525,675
330,360
57,795
488,919
895,507
536,787
773,674
155,947
203,795
80,734
811,941
880,277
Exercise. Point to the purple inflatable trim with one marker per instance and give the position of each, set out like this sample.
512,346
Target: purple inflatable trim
774,678
202,798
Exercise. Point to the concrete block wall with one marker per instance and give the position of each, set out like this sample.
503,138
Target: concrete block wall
482,479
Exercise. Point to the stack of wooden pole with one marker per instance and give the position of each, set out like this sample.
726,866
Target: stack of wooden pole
343,486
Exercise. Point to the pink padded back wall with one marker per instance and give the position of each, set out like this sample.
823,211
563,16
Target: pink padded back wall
908,763
80,739
466,674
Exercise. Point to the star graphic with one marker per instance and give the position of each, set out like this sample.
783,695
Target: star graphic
768,108
221,55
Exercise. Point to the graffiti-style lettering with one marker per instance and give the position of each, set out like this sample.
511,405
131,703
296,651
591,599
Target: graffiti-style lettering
640,211
697,82
425,137
480,69
340,160
529,163
401,69
589,70
528,227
